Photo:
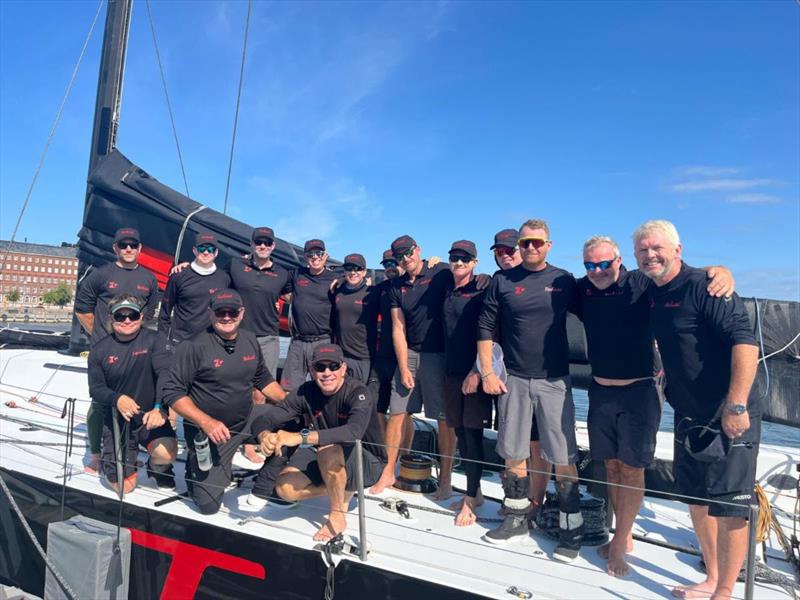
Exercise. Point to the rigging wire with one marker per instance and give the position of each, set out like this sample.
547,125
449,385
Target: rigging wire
166,96
238,101
56,121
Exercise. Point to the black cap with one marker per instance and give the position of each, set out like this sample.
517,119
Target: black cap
327,352
387,255
226,298
126,233
355,259
263,233
507,238
466,247
314,245
403,243
205,238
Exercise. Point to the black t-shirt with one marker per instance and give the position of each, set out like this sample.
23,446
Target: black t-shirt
355,320
617,323
131,368
695,334
460,313
421,303
311,302
385,343
530,308
260,290
219,384
107,281
346,416
184,307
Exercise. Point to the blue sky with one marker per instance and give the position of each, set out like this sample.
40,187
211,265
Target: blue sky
446,120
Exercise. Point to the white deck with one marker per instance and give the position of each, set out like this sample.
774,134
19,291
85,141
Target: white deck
429,546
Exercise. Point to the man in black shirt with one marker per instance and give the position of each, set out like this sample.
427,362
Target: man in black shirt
529,304
336,410
210,385
184,307
311,313
124,369
710,358
99,286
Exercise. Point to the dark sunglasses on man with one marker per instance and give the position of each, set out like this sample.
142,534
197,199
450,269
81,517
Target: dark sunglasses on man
315,253
602,265
126,315
227,313
263,242
389,264
126,245
210,248
462,258
399,256
532,242
352,268
504,251
332,366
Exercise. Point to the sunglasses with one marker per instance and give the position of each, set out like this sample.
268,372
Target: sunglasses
353,269
210,248
603,265
398,256
315,253
226,313
331,366
121,317
460,258
504,251
126,245
263,242
389,264
533,242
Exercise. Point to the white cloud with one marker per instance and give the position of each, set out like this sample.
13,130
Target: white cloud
754,198
721,185
707,171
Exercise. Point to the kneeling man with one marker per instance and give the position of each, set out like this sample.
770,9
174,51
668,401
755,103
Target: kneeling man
336,411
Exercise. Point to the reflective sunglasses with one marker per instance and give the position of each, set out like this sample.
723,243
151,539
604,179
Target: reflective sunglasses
504,251
460,258
532,242
129,315
389,264
210,248
398,256
263,242
226,313
315,253
603,265
331,366
126,245
353,268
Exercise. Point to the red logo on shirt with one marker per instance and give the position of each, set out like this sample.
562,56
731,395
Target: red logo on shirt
672,304
213,290
112,285
142,288
247,269
139,352
519,289
249,357
359,302
550,288
113,359
303,282
218,362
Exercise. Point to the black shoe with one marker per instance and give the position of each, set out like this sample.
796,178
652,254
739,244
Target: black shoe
163,475
569,540
514,527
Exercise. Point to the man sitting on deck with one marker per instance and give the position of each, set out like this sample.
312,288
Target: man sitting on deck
337,410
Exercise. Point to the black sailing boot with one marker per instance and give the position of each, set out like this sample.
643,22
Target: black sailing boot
570,522
164,475
516,506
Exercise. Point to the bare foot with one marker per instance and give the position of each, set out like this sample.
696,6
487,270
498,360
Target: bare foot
93,466
386,480
476,502
617,567
251,454
703,589
602,551
443,492
335,525
466,516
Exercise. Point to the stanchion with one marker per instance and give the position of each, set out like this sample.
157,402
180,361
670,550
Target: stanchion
362,516
750,564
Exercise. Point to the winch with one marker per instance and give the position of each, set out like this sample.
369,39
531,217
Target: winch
415,474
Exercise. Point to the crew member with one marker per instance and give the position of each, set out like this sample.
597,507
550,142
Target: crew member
100,285
468,409
529,304
710,358
311,312
336,410
124,369
184,307
210,385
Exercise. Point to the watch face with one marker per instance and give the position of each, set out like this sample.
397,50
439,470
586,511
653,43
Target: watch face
737,409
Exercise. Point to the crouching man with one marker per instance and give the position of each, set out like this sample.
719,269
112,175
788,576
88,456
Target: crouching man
336,411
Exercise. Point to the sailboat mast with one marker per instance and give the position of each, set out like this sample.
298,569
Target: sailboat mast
106,112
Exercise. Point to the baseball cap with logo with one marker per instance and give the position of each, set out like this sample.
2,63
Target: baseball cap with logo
327,353
403,243
205,238
114,306
313,245
263,233
355,259
506,237
226,298
466,247
126,234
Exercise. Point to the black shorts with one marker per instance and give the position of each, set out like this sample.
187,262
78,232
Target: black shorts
729,480
305,461
383,368
623,422
473,411
137,435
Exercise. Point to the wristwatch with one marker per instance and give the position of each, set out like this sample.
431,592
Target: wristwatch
304,436
736,409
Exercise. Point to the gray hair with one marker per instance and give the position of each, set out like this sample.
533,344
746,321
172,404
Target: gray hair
661,226
596,240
